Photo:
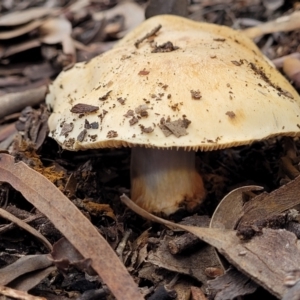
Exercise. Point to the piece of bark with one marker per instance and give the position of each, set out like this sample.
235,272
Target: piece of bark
231,285
266,258
182,243
267,205
193,264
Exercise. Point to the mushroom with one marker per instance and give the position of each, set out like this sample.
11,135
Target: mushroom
169,88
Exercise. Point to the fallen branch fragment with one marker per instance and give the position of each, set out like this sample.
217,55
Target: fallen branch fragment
15,102
72,223
24,265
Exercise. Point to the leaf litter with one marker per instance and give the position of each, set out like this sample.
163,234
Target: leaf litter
94,180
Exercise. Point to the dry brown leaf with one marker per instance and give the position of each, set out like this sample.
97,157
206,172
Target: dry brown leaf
13,80
24,88
193,264
54,30
9,292
72,223
230,209
58,30
285,23
197,293
78,5
272,5
17,48
21,17
9,34
25,264
7,130
267,205
8,216
232,285
40,71
64,255
252,257
132,12
28,281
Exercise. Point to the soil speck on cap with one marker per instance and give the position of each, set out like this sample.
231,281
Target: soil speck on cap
112,134
104,97
166,47
143,72
196,94
177,127
230,114
67,127
82,108
287,94
237,63
219,40
142,110
133,121
88,125
81,135
101,116
68,144
261,73
130,113
93,137
146,129
121,100
175,107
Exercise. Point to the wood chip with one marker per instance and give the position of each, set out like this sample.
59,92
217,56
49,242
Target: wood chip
82,108
66,128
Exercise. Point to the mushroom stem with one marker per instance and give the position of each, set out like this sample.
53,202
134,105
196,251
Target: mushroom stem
162,181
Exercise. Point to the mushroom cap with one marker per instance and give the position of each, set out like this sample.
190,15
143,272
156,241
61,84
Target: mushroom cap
189,84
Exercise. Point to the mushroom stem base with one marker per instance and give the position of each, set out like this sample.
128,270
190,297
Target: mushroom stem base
163,181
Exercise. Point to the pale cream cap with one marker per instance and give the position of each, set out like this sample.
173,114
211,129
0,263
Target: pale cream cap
193,85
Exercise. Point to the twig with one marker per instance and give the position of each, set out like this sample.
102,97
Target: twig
14,102
149,34
123,243
9,292
284,23
22,224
